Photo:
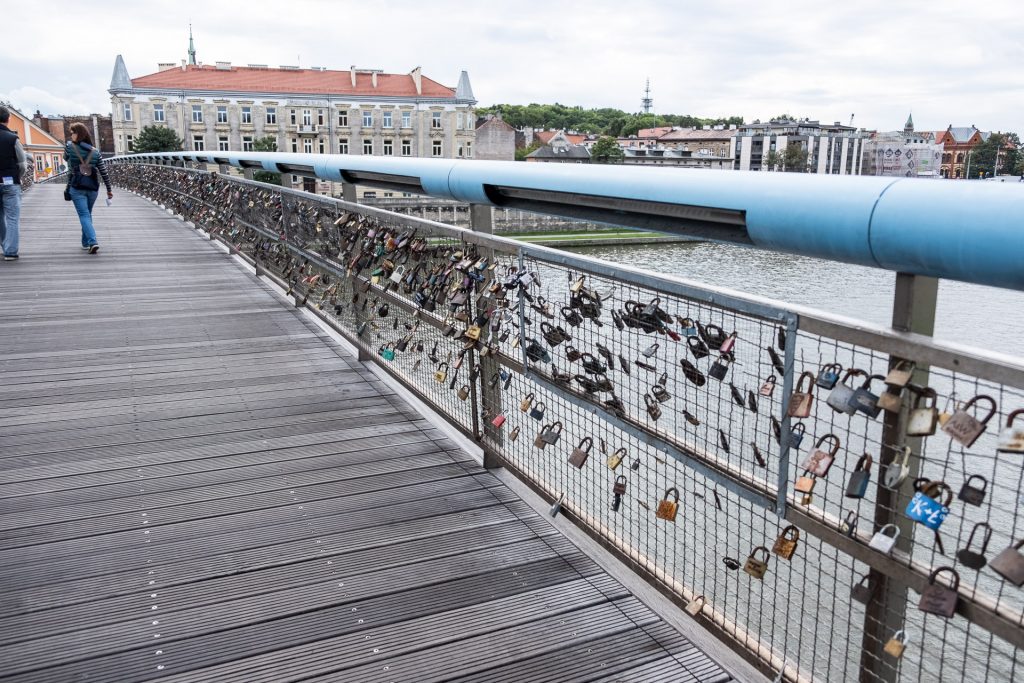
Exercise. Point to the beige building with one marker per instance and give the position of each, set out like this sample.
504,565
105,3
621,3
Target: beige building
222,107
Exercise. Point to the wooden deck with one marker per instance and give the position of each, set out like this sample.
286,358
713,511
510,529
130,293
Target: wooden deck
198,484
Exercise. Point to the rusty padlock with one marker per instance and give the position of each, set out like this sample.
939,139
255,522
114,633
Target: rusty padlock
803,397
805,483
785,544
1011,439
757,566
819,461
579,455
768,388
619,487
554,433
539,441
900,374
668,509
965,428
941,600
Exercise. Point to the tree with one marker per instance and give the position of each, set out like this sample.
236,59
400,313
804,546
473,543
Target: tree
983,156
606,120
772,160
606,151
523,152
794,159
266,144
156,139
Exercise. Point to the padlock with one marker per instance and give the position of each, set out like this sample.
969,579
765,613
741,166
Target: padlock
897,470
828,375
803,397
757,566
653,408
398,274
698,348
972,494
965,428
463,392
667,509
900,374
805,483
537,411
514,434
859,478
576,286
619,487
890,402
572,354
941,600
1011,439
927,510
688,327
441,374
849,524
796,434
883,542
472,332
729,344
864,400
1009,564
554,433
695,606
719,369
579,455
691,372
387,353
768,387
616,458
660,393
819,461
975,559
651,350
864,590
897,644
839,398
785,544
539,441
731,563
498,420
527,401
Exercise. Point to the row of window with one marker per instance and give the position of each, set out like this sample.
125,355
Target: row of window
462,120
465,149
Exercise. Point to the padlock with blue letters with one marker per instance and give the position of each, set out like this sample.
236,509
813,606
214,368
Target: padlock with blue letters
925,506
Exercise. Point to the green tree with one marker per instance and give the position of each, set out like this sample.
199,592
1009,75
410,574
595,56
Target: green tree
794,159
606,120
606,151
772,160
266,144
156,139
523,152
983,156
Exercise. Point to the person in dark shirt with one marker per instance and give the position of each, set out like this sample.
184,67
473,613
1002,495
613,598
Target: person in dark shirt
13,165
85,162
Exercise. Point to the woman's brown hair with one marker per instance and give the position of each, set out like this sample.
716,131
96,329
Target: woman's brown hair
82,131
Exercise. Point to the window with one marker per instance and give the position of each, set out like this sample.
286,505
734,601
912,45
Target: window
222,114
319,117
321,145
307,117
343,146
469,150
39,164
460,121
342,118
246,143
307,146
198,143
437,148
127,111
291,114
222,143
387,119
370,195
367,118
130,140
197,113
388,148
295,144
406,119
158,113
246,115
406,148
272,116
367,146
389,194
435,119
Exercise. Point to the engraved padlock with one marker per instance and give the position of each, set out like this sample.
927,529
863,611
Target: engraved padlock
924,415
579,455
786,543
971,493
1009,564
616,458
819,461
859,478
928,510
828,375
839,398
619,487
883,542
938,599
968,556
1011,439
897,644
668,509
768,387
803,397
965,428
757,562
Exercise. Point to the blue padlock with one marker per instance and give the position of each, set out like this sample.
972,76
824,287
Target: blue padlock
689,327
925,507
829,375
796,435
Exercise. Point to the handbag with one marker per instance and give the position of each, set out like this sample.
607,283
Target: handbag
67,193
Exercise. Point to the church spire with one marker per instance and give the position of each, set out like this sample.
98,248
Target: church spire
191,47
908,127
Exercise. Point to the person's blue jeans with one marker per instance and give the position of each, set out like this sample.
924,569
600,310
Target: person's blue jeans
10,218
83,201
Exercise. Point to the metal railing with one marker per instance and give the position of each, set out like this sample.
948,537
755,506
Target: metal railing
558,364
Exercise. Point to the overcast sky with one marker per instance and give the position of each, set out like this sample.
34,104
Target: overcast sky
944,60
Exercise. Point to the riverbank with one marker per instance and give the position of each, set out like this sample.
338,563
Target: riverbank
593,239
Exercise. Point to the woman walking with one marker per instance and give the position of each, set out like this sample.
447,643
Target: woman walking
84,163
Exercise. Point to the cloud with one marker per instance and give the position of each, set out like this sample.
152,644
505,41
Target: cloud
28,99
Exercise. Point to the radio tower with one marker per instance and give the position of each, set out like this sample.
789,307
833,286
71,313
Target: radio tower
647,101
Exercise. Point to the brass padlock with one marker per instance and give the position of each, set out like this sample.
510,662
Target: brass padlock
1011,439
696,605
805,483
890,402
757,566
900,374
473,332
897,644
616,458
965,428
803,397
441,374
514,434
785,544
818,461
463,392
579,455
941,600
525,404
668,509
1009,564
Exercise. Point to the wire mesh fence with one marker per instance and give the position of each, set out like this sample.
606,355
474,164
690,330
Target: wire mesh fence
795,487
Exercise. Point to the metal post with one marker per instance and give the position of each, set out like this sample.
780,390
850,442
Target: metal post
348,192
481,219
913,311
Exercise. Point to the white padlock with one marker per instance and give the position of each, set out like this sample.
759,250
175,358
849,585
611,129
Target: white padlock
1011,439
884,543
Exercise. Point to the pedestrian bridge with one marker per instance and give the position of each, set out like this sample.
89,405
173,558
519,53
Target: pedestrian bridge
201,483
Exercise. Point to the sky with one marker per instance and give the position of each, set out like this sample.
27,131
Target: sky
945,61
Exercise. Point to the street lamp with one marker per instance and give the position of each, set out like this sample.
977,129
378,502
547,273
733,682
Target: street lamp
967,176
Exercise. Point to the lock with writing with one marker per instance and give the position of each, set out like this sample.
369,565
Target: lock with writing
757,562
975,559
473,332
803,397
896,471
537,411
938,599
668,507
924,415
926,508
441,373
864,400
819,461
897,644
785,544
1011,439
616,458
619,487
883,542
498,420
971,493
768,387
900,374
839,398
828,375
525,404
579,455
696,605
864,590
859,478
552,435
965,428
1009,564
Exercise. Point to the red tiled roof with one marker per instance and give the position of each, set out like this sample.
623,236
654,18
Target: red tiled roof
653,132
545,137
251,79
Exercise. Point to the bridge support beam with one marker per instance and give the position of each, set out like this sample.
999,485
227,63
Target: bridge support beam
481,219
